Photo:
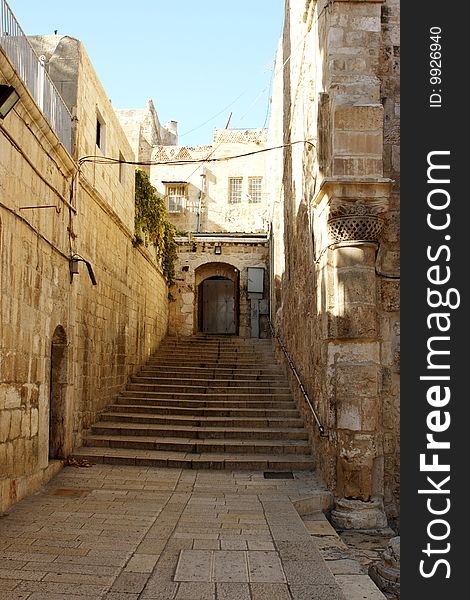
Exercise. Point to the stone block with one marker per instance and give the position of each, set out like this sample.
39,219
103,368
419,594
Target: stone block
193,590
319,528
4,426
354,286
15,424
350,143
390,295
265,567
355,255
194,565
230,565
359,323
357,167
308,591
359,586
357,381
235,591
269,591
349,414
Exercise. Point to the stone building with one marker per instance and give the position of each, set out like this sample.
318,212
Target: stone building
67,345
335,254
221,206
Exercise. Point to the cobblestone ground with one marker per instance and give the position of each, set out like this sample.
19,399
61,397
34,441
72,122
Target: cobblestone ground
128,533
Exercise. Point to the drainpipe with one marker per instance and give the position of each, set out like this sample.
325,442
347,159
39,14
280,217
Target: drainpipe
201,194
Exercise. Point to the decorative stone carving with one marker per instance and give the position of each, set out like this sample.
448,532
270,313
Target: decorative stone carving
353,222
386,573
356,514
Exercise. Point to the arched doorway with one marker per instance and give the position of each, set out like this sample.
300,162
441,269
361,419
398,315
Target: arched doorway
217,299
58,388
217,306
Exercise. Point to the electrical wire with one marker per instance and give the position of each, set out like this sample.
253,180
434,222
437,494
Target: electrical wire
107,160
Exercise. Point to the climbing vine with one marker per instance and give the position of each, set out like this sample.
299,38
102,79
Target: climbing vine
152,226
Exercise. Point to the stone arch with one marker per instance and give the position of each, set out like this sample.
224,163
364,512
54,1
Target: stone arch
58,391
216,271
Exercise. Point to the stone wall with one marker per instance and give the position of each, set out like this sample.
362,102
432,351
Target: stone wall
103,332
207,207
335,304
196,261
389,254
144,131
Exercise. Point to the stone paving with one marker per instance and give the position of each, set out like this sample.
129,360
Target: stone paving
129,533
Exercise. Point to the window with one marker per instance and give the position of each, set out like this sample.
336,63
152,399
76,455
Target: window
176,194
235,190
100,133
254,189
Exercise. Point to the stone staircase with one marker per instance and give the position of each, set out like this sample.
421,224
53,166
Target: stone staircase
204,402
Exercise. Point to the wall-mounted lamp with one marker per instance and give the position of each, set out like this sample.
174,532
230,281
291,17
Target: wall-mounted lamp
8,98
73,264
218,249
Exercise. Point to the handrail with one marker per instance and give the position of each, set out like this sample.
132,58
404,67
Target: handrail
32,71
321,428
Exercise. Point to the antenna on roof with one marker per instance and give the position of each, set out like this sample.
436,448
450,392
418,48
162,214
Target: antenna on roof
228,121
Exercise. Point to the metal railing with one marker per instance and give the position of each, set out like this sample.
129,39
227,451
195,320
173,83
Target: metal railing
32,71
321,428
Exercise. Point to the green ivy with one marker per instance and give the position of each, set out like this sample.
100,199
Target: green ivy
151,224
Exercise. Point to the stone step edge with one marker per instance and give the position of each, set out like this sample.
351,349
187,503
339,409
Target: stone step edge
202,404
180,460
210,410
211,383
197,441
202,429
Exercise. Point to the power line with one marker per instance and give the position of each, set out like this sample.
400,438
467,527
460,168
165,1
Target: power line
107,160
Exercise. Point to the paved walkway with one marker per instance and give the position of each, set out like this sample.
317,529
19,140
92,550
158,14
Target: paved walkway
129,533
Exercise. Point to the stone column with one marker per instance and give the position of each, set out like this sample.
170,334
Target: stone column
354,364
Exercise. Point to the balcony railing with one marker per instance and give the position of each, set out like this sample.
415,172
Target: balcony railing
32,71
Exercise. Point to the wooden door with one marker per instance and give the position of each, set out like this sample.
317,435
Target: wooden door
218,309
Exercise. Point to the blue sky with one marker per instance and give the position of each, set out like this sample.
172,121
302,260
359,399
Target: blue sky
194,59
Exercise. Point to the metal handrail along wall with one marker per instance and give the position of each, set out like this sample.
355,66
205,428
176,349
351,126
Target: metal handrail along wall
321,428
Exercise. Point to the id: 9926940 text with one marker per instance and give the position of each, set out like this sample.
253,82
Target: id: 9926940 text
435,67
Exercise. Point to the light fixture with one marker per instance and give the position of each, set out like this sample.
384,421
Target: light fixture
218,249
8,98
73,264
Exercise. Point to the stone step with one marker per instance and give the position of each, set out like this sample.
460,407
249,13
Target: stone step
223,342
249,357
148,401
204,402
146,384
136,390
208,411
203,426
181,460
189,429
256,374
200,361
199,446
207,382
227,393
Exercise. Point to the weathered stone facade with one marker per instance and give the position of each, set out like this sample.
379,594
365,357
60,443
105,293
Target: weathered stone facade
207,206
67,346
207,219
335,238
197,262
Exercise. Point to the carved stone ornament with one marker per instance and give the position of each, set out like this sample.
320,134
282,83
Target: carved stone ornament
354,222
